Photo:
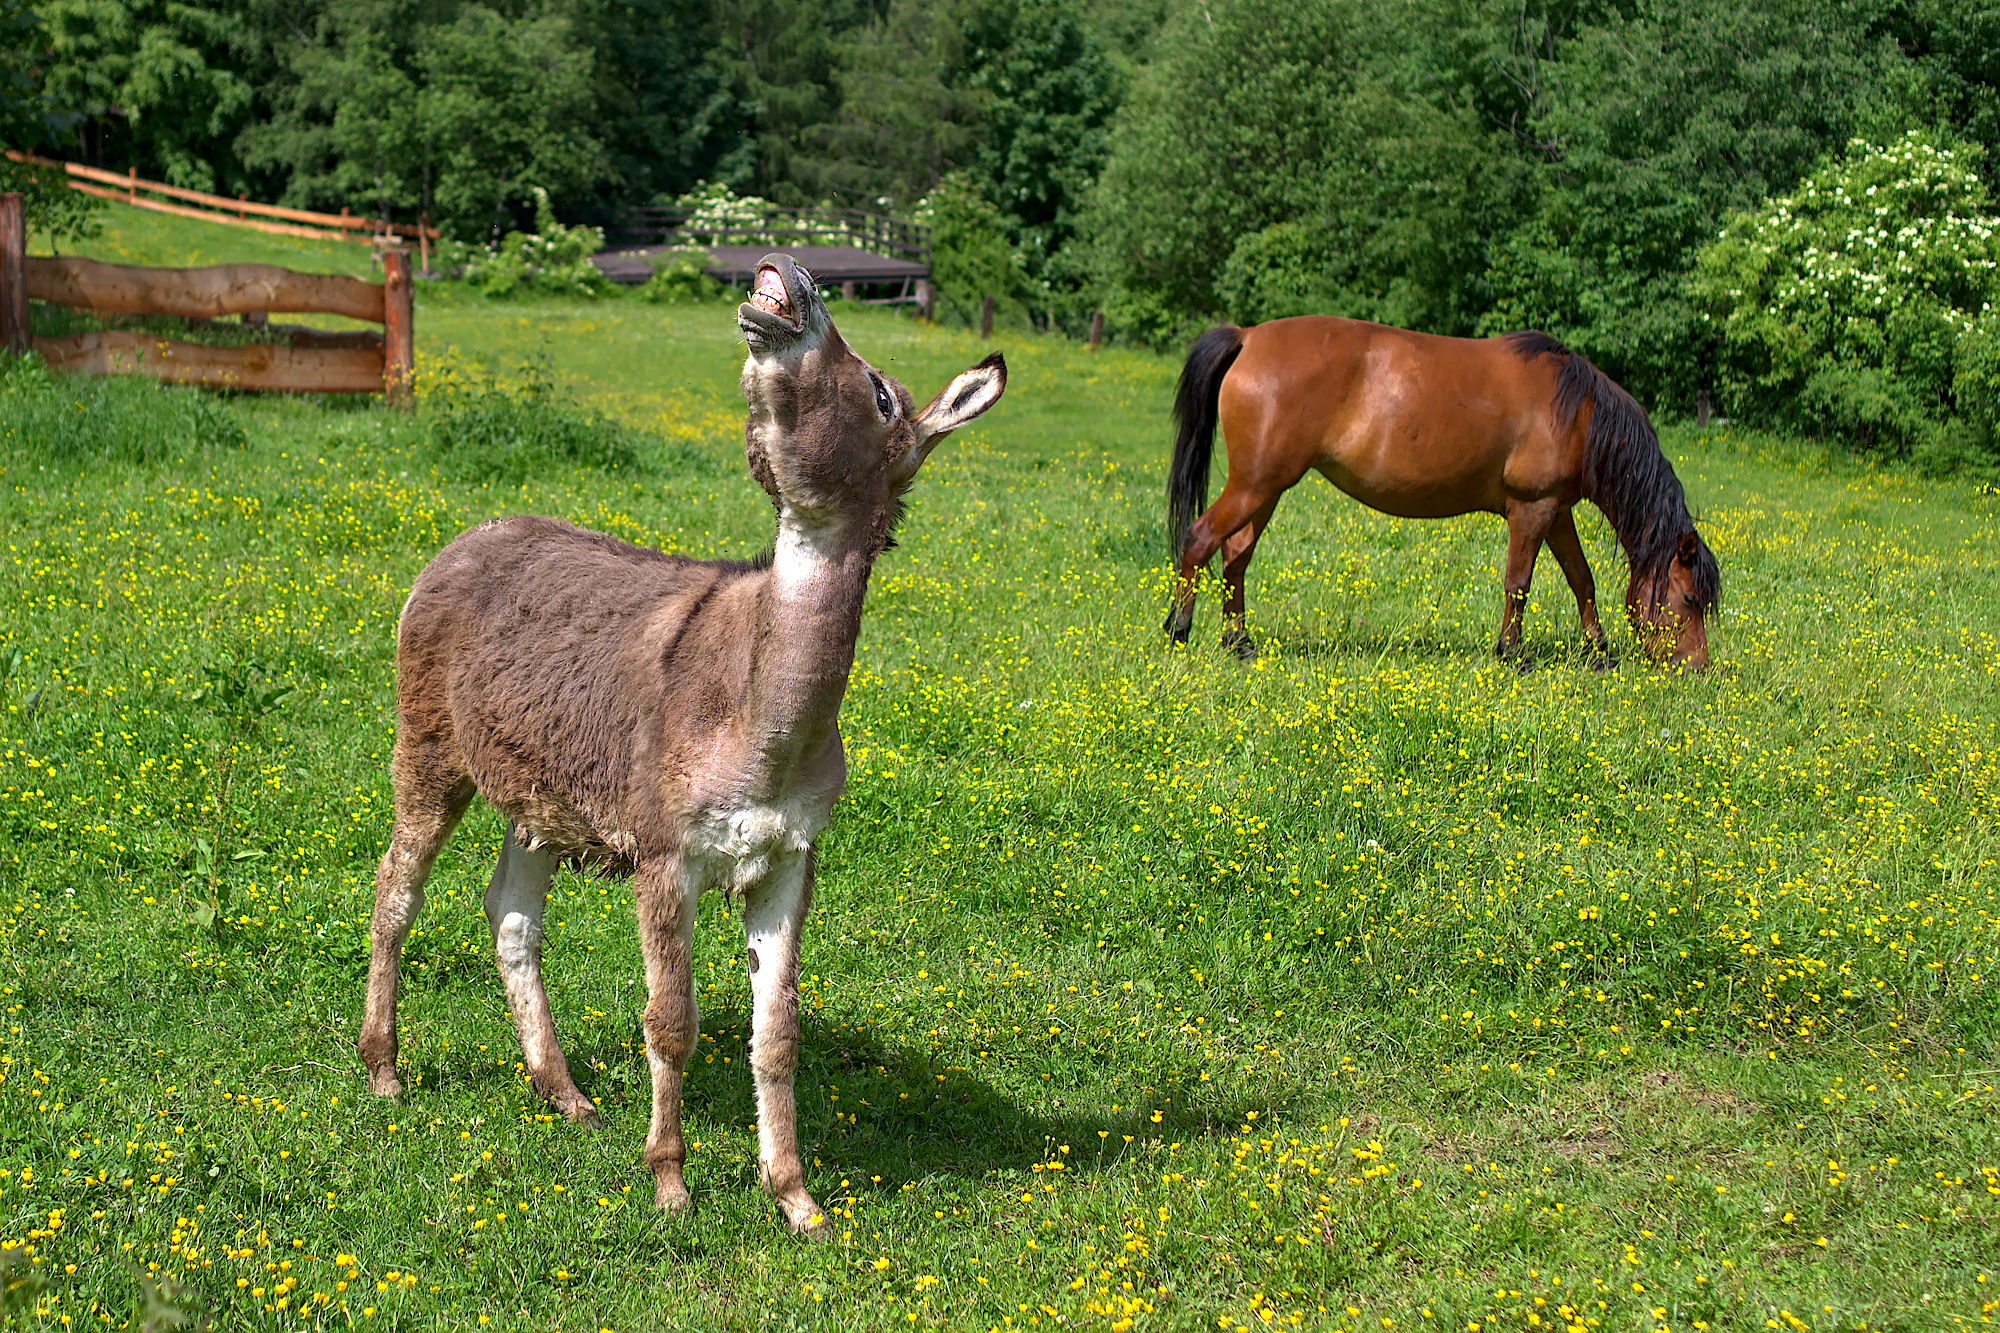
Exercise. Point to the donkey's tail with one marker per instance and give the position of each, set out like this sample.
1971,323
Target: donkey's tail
1194,415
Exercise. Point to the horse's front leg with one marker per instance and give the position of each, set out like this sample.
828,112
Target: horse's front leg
1527,527
667,893
774,912
1568,549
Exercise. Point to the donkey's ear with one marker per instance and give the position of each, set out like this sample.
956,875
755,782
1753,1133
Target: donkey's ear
969,393
1684,551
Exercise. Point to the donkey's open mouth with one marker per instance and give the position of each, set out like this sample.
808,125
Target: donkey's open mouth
781,299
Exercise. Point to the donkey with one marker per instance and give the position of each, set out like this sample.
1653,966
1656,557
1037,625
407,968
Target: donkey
672,719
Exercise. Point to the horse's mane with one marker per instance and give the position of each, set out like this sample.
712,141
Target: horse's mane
1624,472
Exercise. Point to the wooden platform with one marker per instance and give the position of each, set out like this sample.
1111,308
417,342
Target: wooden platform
831,265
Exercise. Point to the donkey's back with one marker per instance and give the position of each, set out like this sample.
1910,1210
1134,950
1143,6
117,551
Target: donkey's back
535,659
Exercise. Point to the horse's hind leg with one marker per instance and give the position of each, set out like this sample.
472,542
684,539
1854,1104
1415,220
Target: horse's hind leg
514,905
1568,549
1238,504
1236,553
429,800
1527,527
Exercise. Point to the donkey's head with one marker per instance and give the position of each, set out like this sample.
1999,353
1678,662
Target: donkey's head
829,435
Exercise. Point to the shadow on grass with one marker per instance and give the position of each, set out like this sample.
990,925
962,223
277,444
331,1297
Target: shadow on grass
912,1116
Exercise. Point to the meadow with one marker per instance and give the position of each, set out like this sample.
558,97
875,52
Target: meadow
1370,986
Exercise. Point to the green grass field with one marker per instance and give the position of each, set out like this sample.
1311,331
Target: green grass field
1371,986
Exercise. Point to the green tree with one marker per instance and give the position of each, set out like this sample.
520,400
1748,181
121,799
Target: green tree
663,114
906,118
458,117
778,61
161,86
1651,124
1328,156
31,119
1045,96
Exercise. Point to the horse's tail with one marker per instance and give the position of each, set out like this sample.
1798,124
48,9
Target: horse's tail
1194,415
1625,472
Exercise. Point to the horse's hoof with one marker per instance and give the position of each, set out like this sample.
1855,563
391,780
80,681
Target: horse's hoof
1242,645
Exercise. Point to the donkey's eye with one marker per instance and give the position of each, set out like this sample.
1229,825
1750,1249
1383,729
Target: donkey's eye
883,402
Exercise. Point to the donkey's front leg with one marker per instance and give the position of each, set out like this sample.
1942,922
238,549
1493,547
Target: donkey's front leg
666,898
774,910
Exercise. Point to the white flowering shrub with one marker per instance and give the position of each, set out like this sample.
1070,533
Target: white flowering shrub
1864,304
720,216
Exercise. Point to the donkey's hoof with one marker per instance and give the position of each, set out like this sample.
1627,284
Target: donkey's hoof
1242,645
582,1114
384,1083
807,1222
673,1198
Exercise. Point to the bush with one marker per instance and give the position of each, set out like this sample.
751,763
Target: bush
1862,304
484,429
89,419
1277,272
971,257
680,277
553,258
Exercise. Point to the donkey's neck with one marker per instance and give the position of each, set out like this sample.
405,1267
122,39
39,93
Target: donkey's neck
809,617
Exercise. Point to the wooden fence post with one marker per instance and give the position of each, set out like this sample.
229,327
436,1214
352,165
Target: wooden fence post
399,347
13,275
424,242
927,300
986,317
1096,329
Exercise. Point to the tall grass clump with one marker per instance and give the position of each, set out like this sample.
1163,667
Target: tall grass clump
492,429
80,419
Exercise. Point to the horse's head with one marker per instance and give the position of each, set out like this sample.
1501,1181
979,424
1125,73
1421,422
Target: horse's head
1669,603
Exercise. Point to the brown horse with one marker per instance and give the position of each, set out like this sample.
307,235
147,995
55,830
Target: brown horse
1428,427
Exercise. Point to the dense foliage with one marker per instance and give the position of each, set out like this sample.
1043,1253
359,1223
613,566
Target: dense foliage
1464,166
1863,303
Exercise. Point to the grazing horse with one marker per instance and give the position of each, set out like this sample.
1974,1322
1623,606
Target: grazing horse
1427,427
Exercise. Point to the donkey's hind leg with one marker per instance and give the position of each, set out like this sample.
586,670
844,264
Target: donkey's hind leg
515,902
427,809
1568,549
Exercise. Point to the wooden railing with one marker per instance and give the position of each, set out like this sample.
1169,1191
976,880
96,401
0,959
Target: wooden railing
877,232
131,189
304,361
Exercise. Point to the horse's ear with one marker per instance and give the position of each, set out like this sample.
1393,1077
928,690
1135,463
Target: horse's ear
1685,551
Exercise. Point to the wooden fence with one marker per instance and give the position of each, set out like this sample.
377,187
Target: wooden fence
237,212
306,361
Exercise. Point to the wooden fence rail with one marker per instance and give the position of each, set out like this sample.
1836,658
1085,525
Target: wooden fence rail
131,189
307,361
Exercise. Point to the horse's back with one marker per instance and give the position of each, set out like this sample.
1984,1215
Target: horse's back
1414,424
